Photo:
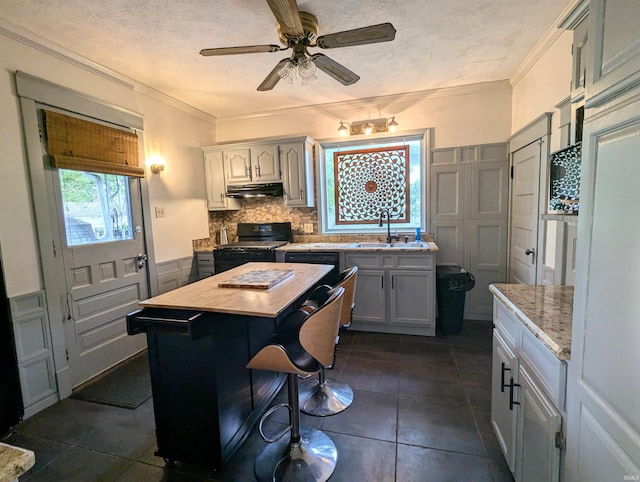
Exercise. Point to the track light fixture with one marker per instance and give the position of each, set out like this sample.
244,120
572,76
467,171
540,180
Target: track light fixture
368,127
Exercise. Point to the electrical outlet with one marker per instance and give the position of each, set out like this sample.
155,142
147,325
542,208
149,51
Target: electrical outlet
159,211
308,228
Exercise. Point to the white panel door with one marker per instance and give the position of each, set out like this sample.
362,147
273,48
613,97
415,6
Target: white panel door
524,214
104,268
604,387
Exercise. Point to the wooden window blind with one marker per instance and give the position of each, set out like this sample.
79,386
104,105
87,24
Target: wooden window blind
82,145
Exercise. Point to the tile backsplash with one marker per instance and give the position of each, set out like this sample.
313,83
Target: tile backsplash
271,210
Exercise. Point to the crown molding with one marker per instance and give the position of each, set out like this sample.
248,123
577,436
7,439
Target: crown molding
52,49
545,42
576,14
368,102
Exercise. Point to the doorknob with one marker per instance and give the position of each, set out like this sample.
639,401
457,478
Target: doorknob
142,260
529,251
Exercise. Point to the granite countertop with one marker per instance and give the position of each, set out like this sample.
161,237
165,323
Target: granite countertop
354,246
546,311
14,461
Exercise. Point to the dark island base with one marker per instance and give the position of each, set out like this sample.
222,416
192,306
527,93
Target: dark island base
205,400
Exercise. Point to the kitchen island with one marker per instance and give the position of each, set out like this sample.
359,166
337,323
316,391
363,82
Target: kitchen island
200,338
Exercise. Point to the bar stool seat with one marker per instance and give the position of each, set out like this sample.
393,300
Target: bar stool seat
302,344
322,397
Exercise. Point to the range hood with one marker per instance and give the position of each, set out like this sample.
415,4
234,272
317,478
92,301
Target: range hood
255,190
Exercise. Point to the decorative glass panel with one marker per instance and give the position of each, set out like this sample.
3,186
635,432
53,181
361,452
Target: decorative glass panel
565,180
370,180
363,177
96,207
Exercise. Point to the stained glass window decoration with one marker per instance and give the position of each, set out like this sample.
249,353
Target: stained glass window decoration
564,176
370,180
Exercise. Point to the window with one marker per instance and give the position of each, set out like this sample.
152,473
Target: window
96,207
360,179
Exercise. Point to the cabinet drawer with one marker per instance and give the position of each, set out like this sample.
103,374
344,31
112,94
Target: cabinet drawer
415,261
507,324
205,258
549,371
364,260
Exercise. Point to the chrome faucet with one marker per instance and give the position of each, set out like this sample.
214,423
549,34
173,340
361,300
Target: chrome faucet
389,237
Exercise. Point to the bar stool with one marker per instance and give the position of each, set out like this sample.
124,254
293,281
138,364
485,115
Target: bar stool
323,397
302,345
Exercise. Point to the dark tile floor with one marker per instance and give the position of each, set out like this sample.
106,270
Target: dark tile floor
421,412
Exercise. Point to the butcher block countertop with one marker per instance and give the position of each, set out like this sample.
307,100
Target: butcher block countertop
206,295
546,311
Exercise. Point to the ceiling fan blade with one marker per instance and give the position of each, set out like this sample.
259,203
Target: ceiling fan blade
274,76
384,32
249,49
287,15
335,70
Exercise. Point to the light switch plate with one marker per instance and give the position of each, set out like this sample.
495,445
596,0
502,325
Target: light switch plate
308,228
159,211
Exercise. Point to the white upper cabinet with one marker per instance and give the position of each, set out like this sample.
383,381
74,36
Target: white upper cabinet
613,49
297,165
252,165
265,164
289,161
216,188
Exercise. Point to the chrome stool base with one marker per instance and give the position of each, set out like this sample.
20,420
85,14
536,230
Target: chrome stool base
314,458
325,398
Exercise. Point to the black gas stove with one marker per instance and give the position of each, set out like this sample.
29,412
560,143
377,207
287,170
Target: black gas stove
256,242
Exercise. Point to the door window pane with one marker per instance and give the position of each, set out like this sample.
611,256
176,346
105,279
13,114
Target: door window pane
96,207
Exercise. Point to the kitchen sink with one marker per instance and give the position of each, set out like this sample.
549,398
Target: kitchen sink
398,244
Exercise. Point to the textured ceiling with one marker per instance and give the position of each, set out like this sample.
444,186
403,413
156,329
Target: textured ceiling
439,43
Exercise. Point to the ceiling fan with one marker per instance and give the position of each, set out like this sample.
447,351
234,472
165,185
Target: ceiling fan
298,31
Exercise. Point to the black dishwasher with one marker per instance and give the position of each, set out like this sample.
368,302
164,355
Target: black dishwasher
314,257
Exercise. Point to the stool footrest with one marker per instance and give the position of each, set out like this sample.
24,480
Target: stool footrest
266,415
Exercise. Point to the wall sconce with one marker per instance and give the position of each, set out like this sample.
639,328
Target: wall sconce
368,127
156,164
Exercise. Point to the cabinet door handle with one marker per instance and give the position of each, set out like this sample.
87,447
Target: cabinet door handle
247,171
512,402
382,280
502,384
392,282
258,170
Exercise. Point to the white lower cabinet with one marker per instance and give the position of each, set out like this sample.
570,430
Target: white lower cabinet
538,434
395,293
527,400
503,417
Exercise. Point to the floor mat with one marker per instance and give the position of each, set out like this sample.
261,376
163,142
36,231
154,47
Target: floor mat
128,386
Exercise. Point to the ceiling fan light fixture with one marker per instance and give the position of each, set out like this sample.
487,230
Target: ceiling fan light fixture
307,69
